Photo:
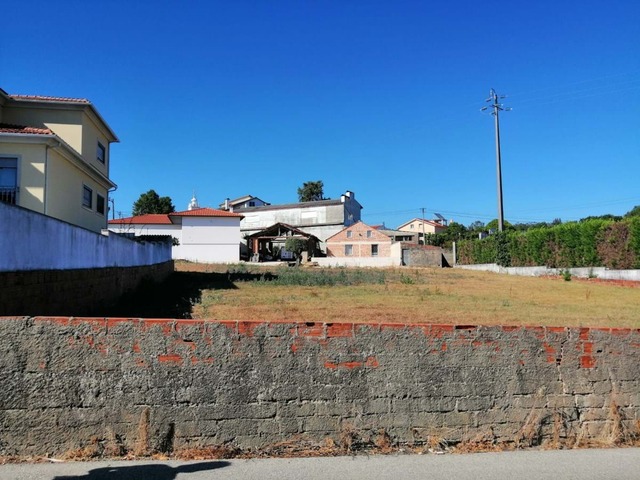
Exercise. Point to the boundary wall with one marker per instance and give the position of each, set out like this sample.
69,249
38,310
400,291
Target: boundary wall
32,241
602,273
166,385
357,261
73,292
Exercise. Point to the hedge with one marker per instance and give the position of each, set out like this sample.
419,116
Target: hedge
591,243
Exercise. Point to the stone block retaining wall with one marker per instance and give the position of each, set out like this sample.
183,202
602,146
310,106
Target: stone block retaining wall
167,385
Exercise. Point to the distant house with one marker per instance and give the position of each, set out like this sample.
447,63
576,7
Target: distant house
203,235
55,158
322,218
359,240
242,202
421,227
361,245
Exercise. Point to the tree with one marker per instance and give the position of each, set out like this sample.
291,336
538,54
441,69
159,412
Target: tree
453,233
151,202
606,216
311,191
296,245
476,226
493,225
634,212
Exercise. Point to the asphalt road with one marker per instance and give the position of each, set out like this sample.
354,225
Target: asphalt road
609,464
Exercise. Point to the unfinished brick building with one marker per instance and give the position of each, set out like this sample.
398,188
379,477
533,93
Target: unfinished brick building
359,240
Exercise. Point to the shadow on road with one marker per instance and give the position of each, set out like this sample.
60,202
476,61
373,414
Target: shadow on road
145,472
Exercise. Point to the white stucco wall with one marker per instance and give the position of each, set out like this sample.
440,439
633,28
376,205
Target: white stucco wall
541,271
31,241
201,239
209,240
357,261
208,253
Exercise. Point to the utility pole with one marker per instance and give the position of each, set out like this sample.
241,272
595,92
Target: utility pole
497,107
424,235
113,209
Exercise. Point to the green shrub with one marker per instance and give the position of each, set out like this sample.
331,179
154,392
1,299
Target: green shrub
503,256
588,243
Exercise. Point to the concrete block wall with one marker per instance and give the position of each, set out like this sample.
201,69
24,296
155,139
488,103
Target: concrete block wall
72,292
174,384
421,255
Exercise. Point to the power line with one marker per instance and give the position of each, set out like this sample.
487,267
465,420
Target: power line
580,82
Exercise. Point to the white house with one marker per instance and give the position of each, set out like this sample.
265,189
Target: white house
422,227
203,235
242,202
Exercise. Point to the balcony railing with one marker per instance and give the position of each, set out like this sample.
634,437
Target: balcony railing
8,194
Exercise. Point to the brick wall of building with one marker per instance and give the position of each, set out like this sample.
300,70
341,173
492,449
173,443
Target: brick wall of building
360,240
166,385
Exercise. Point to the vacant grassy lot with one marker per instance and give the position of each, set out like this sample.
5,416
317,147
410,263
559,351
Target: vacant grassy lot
404,295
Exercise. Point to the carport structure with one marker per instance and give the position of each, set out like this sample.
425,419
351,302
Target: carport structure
268,244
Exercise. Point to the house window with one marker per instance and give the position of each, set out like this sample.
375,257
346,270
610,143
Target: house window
87,197
100,204
368,233
411,227
348,250
349,233
252,203
101,153
374,250
8,180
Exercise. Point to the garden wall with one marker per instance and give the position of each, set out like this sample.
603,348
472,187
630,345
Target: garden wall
32,241
602,273
166,385
73,292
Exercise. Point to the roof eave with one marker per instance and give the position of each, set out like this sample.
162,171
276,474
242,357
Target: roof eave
79,105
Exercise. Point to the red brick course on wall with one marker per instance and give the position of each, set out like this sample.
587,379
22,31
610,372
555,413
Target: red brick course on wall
72,382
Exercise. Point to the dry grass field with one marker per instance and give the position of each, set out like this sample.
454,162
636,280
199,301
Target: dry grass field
408,295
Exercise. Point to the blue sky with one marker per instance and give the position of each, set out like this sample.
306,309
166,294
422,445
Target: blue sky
383,98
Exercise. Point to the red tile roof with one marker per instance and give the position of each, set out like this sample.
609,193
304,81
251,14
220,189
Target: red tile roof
7,128
164,219
43,98
148,219
205,212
